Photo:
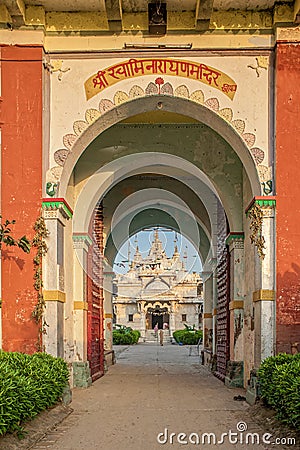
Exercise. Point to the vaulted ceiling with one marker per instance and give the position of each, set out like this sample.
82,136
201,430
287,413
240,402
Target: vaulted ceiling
132,15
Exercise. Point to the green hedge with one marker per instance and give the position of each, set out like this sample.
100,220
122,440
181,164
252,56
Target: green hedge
125,336
28,385
279,379
187,336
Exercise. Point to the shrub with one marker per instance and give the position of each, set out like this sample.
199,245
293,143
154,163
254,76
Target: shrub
279,378
122,338
28,385
125,336
136,335
187,336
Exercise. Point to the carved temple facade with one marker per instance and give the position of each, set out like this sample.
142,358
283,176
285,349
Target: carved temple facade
158,290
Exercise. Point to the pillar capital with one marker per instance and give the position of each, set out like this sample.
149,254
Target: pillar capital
235,240
57,208
81,240
265,202
208,268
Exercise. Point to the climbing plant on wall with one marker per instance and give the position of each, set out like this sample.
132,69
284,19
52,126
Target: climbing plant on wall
7,239
39,243
255,214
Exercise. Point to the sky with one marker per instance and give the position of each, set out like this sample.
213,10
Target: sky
168,237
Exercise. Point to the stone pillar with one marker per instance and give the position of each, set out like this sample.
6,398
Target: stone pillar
214,313
143,322
81,243
264,296
108,310
207,312
56,213
235,366
172,319
264,299
235,242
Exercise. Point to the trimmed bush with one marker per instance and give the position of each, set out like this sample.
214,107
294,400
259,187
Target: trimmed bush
136,335
187,336
279,379
28,385
125,336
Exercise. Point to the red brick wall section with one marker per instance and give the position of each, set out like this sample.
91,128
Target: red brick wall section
288,195
21,188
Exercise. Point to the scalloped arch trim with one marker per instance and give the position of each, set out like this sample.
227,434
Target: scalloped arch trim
182,91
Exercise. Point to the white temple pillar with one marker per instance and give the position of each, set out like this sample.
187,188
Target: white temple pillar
235,365
214,313
235,242
264,298
56,214
172,319
207,312
143,321
108,309
81,243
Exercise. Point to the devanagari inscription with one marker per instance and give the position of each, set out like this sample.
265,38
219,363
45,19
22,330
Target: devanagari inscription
160,66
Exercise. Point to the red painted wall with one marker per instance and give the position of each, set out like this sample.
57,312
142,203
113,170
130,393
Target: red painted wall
288,195
21,189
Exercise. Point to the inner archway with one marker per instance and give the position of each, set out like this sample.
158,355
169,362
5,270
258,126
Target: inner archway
158,284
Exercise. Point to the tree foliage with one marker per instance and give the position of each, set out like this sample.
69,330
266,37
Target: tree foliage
6,237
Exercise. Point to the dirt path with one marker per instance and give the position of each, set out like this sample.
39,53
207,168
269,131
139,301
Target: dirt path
151,393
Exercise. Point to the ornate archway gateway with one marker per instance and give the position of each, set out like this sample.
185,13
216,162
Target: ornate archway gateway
130,138
204,150
202,108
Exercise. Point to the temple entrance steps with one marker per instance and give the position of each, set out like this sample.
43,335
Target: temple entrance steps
151,336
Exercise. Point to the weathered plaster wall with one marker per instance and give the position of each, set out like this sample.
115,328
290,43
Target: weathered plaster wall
22,91
288,193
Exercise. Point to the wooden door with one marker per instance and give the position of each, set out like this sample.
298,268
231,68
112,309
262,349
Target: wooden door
95,348
223,289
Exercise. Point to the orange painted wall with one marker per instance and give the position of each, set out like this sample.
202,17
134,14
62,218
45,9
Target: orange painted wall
288,195
21,189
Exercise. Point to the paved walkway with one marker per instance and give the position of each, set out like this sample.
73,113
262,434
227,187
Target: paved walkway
153,390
